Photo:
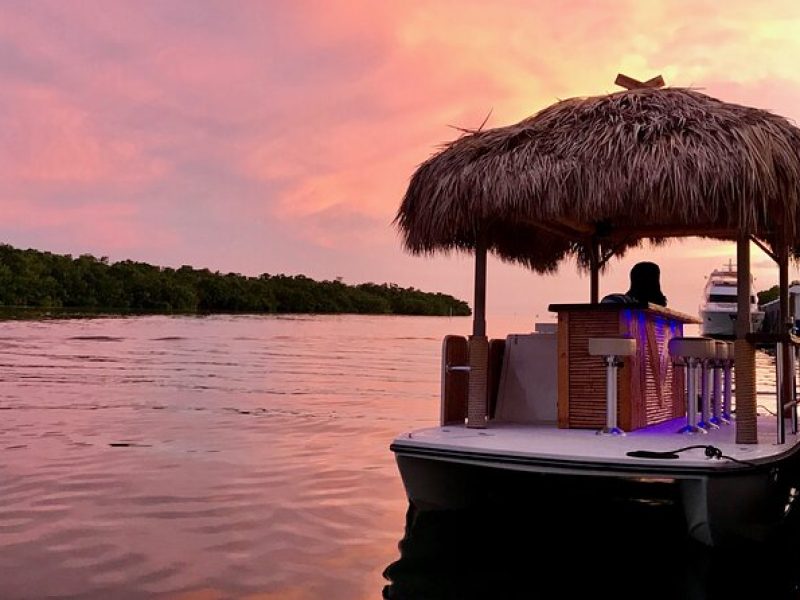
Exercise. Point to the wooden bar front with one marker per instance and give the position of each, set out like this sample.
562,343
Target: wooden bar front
650,387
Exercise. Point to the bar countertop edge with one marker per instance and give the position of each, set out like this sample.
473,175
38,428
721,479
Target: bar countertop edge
654,309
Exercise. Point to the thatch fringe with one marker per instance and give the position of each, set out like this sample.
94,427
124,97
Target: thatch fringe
637,164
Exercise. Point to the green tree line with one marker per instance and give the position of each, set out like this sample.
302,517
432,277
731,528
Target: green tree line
771,294
768,295
30,278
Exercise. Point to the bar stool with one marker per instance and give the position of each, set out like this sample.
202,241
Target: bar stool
717,366
612,348
691,351
707,367
727,389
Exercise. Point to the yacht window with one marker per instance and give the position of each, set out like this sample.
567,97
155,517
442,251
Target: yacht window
721,298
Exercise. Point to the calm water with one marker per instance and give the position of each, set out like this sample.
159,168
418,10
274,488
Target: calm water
247,457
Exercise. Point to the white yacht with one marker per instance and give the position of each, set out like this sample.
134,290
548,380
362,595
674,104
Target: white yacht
718,309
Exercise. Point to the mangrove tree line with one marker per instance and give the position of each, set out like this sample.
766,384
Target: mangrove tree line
30,278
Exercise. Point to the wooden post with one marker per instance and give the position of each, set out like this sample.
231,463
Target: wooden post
743,285
744,352
477,399
783,285
629,83
594,265
479,317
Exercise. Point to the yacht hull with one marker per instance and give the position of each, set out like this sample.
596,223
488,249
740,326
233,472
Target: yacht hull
721,324
718,324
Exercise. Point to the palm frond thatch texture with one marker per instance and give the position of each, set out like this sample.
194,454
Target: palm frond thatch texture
638,164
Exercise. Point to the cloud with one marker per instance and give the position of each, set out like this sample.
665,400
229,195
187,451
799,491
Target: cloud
47,139
281,135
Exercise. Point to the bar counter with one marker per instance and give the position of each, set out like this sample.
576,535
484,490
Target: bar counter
650,387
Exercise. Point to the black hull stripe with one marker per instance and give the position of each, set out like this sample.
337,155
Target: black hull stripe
554,463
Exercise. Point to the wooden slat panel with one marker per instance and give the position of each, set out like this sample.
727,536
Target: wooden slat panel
455,384
624,388
660,396
650,389
563,370
678,383
631,324
657,400
587,374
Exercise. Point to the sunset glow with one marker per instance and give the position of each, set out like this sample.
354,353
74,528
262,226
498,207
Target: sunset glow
279,136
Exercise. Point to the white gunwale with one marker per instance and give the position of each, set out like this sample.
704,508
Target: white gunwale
584,447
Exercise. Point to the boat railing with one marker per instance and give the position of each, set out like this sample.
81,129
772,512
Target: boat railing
787,347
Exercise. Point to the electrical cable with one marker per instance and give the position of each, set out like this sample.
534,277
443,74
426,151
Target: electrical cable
710,452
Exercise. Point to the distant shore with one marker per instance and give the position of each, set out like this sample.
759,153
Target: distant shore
36,284
11,313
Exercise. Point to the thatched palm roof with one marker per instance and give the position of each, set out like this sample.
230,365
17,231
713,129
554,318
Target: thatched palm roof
643,163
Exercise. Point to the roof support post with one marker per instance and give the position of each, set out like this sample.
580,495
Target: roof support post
744,351
594,266
783,286
477,396
479,316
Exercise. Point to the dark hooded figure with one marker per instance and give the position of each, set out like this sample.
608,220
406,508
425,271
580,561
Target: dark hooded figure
645,287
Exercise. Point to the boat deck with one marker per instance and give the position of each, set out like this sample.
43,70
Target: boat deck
524,446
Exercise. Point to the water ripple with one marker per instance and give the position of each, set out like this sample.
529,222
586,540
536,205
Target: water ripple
214,457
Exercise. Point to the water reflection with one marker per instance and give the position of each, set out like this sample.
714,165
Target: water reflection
218,457
582,547
247,457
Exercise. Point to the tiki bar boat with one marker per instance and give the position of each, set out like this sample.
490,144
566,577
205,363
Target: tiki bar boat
618,392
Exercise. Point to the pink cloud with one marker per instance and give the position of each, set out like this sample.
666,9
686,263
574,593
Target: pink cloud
50,140
106,228
282,135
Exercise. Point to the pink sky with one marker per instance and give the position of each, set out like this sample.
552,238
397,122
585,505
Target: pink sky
279,136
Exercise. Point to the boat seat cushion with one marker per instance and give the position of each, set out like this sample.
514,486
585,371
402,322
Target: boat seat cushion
528,391
692,347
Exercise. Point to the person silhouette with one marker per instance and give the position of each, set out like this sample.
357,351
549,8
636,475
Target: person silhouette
645,287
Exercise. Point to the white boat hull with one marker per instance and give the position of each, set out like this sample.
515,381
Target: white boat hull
722,324
724,502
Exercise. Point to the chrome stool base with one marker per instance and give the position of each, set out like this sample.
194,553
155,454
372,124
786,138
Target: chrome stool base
692,430
611,431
